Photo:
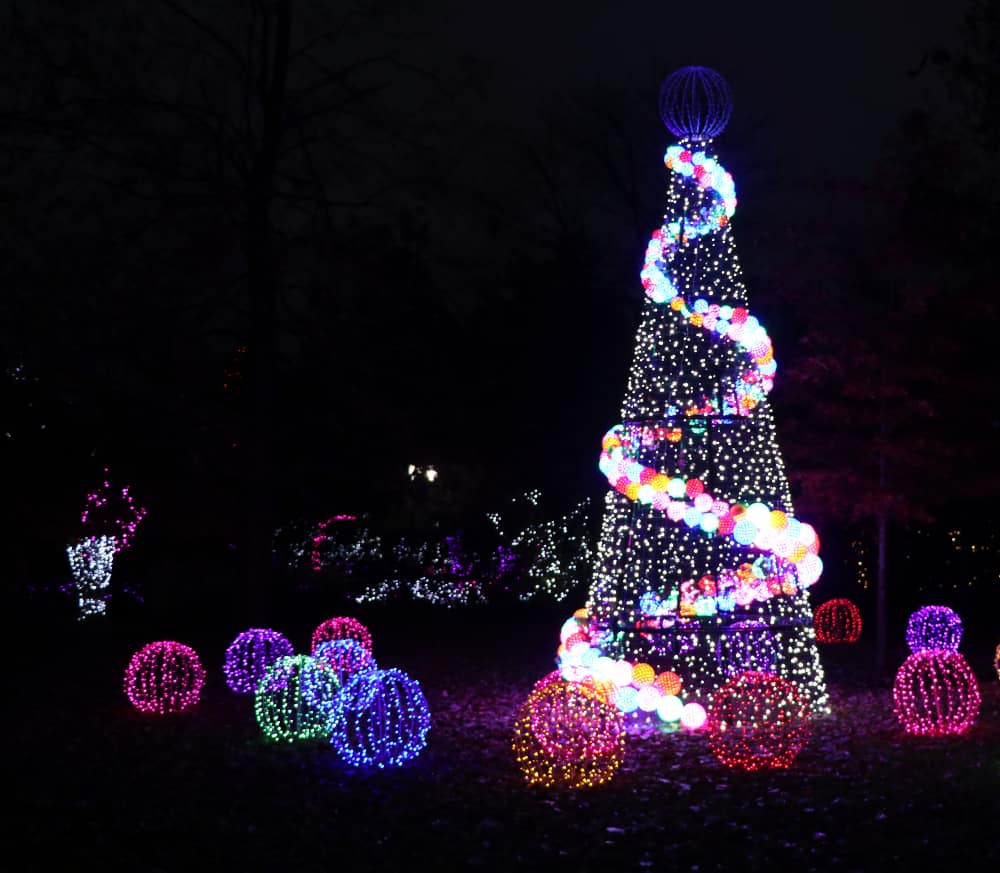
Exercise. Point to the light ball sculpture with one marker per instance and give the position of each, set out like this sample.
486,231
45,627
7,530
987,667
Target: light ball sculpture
758,721
567,734
934,627
296,699
381,719
346,657
250,655
695,103
341,627
935,693
163,677
837,621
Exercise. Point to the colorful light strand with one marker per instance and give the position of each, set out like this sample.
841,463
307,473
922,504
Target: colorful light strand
164,677
251,655
935,693
758,721
382,719
837,621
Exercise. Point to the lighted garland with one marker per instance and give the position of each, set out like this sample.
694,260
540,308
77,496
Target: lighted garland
341,628
296,699
837,621
251,655
567,734
164,677
381,719
793,545
934,627
758,721
935,693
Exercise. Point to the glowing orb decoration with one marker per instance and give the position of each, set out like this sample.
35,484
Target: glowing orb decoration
669,683
382,719
164,677
693,716
296,699
934,627
250,656
837,621
345,657
935,693
669,708
695,103
567,734
758,721
341,628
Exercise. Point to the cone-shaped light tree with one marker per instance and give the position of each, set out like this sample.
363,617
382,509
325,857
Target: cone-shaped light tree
702,566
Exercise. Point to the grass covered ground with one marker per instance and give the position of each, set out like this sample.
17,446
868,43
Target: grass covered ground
94,785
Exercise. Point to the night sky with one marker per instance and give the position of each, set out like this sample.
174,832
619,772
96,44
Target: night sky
528,296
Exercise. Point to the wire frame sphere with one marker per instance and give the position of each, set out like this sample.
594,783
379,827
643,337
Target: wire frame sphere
837,621
935,693
296,699
758,721
345,657
251,655
567,734
382,720
163,677
934,627
695,103
341,628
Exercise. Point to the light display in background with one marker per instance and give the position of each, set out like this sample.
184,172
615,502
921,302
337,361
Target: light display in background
702,567
345,657
341,627
934,627
568,734
758,721
996,661
91,561
251,655
164,677
381,719
935,693
837,621
296,700
112,512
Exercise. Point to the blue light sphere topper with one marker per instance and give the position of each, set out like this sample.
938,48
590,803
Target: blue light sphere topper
695,103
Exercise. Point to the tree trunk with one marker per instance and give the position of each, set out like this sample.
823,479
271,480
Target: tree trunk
263,273
880,617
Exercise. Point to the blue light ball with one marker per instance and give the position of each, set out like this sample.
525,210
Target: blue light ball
695,103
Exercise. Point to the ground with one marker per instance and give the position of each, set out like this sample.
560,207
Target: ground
96,785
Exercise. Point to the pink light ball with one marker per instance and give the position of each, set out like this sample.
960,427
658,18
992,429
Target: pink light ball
758,721
164,677
693,716
341,628
250,655
935,693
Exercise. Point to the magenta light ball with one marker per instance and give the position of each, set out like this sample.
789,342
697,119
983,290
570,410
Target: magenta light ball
341,627
935,693
164,677
934,627
250,655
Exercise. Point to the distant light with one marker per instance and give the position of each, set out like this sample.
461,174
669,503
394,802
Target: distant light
430,474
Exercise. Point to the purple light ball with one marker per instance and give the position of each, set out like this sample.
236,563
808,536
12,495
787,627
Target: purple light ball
934,627
250,655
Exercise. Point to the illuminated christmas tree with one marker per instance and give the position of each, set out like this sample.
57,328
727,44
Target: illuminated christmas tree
702,567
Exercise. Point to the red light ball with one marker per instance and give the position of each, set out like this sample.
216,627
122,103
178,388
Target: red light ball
164,677
341,628
837,621
758,721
